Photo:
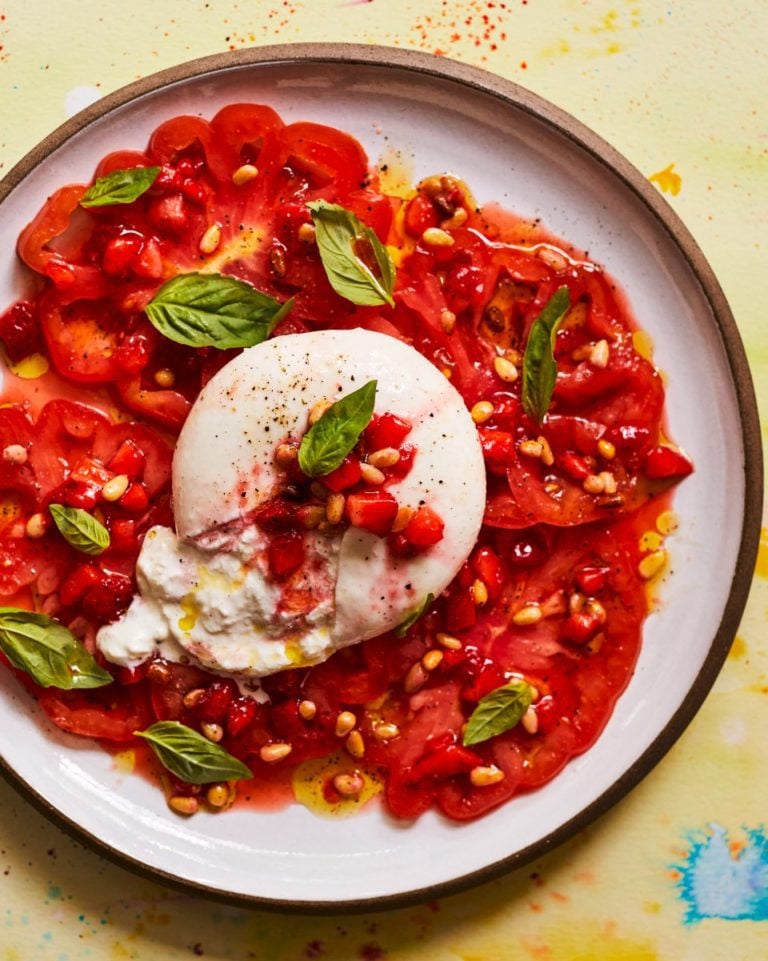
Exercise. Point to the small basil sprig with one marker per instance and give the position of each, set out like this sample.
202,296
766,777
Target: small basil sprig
212,310
402,629
80,529
330,439
48,652
341,238
498,711
120,187
190,756
539,367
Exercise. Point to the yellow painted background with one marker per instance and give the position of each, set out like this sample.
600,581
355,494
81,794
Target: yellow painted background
681,89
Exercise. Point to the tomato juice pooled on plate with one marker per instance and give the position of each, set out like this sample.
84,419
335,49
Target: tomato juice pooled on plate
300,478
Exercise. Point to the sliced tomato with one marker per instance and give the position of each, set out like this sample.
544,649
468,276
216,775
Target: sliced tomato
110,713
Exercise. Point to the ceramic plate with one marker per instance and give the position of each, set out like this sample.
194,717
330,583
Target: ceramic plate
514,148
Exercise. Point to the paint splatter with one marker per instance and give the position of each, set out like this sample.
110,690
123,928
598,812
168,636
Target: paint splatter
725,879
667,180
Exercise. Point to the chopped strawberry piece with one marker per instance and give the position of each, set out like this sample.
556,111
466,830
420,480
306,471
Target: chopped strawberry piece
425,528
74,493
420,214
107,599
122,535
241,713
215,703
498,448
446,762
20,331
581,627
404,464
666,462
120,254
386,430
128,459
79,581
373,511
460,610
575,465
286,553
276,515
135,499
345,476
488,568
170,213
592,580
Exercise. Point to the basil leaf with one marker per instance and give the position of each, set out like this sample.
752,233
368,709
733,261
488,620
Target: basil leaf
498,711
539,367
330,439
211,310
120,187
341,239
80,529
402,629
190,756
48,652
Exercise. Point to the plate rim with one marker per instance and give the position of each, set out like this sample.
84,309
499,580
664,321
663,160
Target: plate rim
584,138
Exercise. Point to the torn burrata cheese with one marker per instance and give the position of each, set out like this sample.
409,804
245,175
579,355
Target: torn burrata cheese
206,591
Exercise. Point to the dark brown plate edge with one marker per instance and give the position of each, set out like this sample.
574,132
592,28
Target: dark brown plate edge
585,139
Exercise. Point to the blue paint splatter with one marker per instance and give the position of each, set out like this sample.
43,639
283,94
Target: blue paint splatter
716,884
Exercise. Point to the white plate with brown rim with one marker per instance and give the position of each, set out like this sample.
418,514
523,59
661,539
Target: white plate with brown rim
526,154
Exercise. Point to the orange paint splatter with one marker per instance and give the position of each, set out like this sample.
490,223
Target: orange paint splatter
667,180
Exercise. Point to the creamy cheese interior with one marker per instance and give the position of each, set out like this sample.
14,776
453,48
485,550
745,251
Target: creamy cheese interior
205,589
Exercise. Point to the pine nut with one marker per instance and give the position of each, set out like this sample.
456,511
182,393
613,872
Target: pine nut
479,593
597,610
36,526
345,722
436,237
386,731
183,805
449,642
159,673
214,732
600,354
447,320
547,457
218,795
349,785
505,369
244,174
311,515
482,411
355,744
307,233
593,484
307,709
576,603
527,616
386,457
318,410
15,454
372,475
484,776
114,489
334,508
530,720
402,518
286,454
194,697
606,449
531,448
415,679
431,660
210,239
164,378
609,482
271,753
652,564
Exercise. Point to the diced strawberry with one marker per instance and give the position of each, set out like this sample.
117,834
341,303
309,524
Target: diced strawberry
79,581
425,528
592,580
498,448
216,701
107,599
420,214
488,568
122,535
581,627
404,464
575,465
74,493
120,253
446,762
133,353
386,430
241,713
170,213
276,515
666,462
149,262
345,476
460,610
128,459
20,331
135,499
373,511
286,553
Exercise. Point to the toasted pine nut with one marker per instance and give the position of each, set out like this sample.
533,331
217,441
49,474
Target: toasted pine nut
334,508
482,411
214,732
547,457
505,369
159,673
114,489
244,174
349,785
307,709
415,679
595,608
606,449
593,484
318,410
286,454
218,795
479,592
183,805
530,720
355,744
311,515
385,731
402,518
435,237
345,722
600,354
371,474
431,660
271,753
194,697
652,564
449,642
576,603
531,448
307,233
164,378
15,454
36,526
528,615
210,239
484,776
447,320
386,457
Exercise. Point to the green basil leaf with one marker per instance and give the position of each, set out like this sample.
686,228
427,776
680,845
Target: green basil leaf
402,629
330,439
211,310
48,652
80,529
539,367
341,240
498,711
190,756
120,187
